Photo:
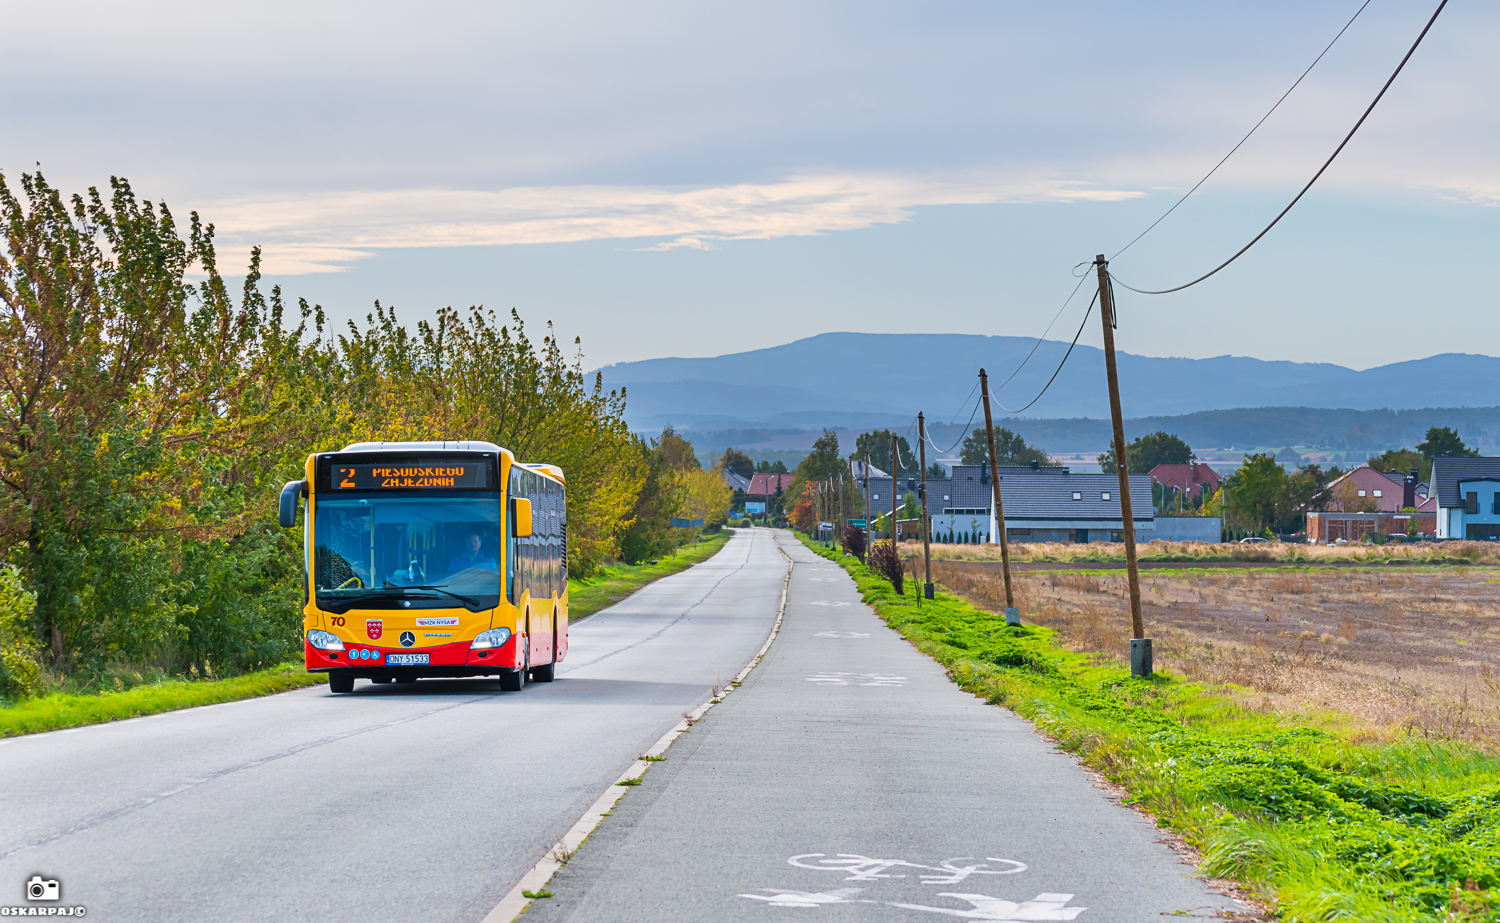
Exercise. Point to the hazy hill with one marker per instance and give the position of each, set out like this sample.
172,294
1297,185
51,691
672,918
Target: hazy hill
864,379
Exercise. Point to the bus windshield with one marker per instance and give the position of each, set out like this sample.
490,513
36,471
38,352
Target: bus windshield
408,550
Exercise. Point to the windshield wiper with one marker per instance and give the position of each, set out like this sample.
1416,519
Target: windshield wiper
466,600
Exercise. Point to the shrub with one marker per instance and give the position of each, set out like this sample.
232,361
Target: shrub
886,561
854,541
20,675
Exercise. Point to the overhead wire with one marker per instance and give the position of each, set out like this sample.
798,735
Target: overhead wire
1321,170
1060,365
1247,134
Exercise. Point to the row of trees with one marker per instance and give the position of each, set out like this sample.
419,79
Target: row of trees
676,485
148,416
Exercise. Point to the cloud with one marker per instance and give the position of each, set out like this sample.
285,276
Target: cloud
325,232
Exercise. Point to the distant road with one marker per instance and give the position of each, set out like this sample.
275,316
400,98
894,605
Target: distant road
410,803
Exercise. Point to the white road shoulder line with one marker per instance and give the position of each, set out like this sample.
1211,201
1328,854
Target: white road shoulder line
535,880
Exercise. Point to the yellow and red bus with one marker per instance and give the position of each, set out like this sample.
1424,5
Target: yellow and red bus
432,559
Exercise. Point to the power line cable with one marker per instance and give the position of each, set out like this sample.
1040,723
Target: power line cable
1060,364
1247,134
942,451
1039,339
1326,165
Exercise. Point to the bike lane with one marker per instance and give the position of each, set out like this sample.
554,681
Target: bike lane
849,779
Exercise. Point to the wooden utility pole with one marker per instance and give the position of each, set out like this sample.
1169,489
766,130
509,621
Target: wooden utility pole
1012,614
926,542
869,527
1140,645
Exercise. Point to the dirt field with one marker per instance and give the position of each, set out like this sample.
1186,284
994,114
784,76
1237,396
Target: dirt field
1414,648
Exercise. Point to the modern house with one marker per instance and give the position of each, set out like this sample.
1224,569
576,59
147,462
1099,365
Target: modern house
1366,500
1467,491
763,488
1042,504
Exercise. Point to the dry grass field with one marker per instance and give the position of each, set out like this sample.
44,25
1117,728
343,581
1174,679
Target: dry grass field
1413,648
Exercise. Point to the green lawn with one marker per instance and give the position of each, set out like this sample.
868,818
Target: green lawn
585,597
66,710
1320,821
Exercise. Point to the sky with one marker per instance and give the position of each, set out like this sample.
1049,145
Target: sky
690,179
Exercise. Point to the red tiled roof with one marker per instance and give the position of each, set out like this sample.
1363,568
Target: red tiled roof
1187,478
762,484
1369,480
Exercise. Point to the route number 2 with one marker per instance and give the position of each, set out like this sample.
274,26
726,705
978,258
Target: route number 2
346,477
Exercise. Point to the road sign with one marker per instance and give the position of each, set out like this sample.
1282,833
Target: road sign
684,523
755,506
857,523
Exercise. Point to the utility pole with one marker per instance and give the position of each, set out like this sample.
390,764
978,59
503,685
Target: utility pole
1012,614
895,468
926,542
1140,645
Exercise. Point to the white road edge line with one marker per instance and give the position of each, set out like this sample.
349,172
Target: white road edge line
511,906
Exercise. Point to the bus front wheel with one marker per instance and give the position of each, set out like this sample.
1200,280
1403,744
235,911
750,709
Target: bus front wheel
515,680
340,682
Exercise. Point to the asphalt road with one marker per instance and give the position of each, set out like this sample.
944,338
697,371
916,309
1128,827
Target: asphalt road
850,780
408,803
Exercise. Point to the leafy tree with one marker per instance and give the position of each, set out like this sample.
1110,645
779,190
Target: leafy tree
1257,490
1010,449
705,496
1443,442
803,512
647,534
767,467
1150,450
1403,461
678,451
878,445
738,462
1307,490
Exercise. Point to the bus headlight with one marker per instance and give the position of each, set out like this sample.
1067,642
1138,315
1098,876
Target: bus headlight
495,637
323,640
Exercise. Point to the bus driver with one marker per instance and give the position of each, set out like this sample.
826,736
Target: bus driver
475,556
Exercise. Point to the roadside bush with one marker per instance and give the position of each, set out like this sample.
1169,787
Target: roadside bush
854,541
20,675
886,561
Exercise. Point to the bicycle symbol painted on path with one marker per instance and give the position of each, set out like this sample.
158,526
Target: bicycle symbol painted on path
1043,907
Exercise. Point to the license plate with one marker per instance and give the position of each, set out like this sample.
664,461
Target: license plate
405,660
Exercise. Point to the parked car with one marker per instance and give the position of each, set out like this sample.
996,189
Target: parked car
1255,540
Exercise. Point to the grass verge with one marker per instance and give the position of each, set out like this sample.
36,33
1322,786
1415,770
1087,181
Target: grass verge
1316,818
68,710
585,597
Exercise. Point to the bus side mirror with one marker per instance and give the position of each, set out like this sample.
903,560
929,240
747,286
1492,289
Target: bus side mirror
520,517
289,495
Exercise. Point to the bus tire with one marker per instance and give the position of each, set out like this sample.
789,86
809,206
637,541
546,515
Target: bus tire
515,680
340,682
544,673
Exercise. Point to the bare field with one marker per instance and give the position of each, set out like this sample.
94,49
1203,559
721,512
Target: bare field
1267,552
1413,649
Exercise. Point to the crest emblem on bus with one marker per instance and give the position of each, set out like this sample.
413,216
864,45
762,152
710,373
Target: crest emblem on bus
373,628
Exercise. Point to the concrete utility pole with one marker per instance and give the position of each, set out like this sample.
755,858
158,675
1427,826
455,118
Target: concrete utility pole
926,542
1012,614
1140,645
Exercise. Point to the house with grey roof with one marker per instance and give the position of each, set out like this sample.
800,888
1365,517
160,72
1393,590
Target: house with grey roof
1042,504
1468,497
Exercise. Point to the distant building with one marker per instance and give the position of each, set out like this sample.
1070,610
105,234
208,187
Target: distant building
1193,482
737,482
1042,504
763,485
1467,491
1366,500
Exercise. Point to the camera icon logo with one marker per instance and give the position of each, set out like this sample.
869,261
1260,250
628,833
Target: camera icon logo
43,889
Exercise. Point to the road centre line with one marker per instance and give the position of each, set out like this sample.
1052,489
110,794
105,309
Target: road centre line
514,903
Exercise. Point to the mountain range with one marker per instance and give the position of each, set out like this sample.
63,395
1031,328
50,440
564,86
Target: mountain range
860,380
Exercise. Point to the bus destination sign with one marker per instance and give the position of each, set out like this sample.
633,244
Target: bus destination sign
404,476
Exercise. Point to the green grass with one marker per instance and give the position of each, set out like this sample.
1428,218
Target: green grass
585,597
1318,820
66,710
